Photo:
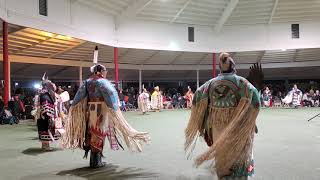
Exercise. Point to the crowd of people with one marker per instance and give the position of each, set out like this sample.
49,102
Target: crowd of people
22,102
293,98
170,99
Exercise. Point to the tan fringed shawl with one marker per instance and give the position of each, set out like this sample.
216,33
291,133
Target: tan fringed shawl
232,130
76,128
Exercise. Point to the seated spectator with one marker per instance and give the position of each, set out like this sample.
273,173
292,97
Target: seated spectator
122,102
307,100
316,98
267,97
277,100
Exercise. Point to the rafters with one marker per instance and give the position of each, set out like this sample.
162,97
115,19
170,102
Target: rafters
261,56
67,49
203,58
273,10
133,9
180,11
294,58
34,44
176,58
149,58
226,14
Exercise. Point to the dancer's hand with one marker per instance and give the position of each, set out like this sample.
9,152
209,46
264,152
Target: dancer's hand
256,76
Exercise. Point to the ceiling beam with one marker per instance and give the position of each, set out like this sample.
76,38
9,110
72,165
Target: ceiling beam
226,14
14,31
109,5
67,49
275,5
294,58
133,9
149,58
76,63
261,56
124,54
181,10
98,7
203,58
176,58
33,44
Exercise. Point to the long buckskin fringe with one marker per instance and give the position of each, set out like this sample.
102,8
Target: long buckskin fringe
133,138
234,144
194,127
75,126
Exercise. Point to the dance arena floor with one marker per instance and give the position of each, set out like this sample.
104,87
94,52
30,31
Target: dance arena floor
286,148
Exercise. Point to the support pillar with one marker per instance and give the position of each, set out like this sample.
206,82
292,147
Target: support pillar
6,64
198,83
286,83
140,81
80,76
213,65
116,66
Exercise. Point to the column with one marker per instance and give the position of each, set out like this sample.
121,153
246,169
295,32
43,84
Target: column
140,80
116,66
198,83
80,76
6,64
213,65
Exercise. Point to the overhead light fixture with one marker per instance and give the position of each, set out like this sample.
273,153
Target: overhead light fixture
47,34
283,49
63,37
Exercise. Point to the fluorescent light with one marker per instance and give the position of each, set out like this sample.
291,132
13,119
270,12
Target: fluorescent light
283,49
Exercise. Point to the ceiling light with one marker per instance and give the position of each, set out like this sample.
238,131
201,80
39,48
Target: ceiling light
47,34
283,49
63,37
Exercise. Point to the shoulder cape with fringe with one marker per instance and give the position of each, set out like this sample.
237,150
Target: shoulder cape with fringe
226,108
76,123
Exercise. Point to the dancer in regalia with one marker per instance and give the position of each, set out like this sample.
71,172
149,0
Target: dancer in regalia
189,97
143,101
156,99
224,113
48,114
294,97
94,115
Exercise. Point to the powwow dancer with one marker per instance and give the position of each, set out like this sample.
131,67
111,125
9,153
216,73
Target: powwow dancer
156,99
189,97
48,115
224,113
143,101
293,97
95,115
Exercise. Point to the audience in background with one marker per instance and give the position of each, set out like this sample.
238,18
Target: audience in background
180,97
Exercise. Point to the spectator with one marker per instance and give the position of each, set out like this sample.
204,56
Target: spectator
122,102
306,100
316,98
